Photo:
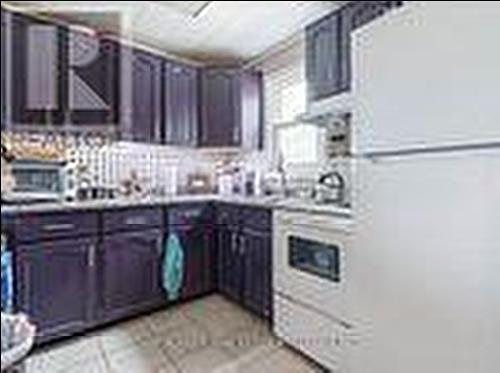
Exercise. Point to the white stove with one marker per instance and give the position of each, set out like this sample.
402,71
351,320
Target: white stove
310,256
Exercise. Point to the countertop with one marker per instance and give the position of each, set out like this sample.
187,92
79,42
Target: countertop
272,202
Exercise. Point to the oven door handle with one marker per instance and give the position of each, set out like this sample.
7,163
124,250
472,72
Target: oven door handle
312,225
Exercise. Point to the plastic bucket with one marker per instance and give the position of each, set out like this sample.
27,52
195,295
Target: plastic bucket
18,337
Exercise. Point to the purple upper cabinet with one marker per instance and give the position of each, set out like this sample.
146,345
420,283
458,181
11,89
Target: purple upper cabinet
3,56
221,108
252,110
145,96
232,109
328,46
37,80
93,71
324,57
61,76
181,104
360,13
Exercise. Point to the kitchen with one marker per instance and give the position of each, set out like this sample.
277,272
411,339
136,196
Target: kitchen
301,186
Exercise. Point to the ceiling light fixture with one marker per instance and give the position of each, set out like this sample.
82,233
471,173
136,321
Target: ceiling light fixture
202,9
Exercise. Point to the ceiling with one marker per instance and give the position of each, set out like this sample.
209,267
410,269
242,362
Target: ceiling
205,31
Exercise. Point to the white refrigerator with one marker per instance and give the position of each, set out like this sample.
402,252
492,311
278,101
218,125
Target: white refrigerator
423,271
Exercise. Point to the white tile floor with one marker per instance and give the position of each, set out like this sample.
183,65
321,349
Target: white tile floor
210,335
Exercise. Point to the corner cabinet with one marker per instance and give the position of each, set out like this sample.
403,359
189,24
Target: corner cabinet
232,108
244,252
221,108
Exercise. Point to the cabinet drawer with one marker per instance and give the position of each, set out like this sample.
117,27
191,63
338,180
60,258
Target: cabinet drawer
297,325
257,218
132,219
190,214
49,226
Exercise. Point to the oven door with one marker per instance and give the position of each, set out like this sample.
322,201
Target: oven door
319,259
310,259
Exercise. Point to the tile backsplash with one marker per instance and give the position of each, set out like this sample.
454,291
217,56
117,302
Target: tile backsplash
159,169
102,163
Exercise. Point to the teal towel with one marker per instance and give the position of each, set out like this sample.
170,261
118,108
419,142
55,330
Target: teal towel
173,267
7,281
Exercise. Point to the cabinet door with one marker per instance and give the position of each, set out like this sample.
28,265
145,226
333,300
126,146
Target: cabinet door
196,242
37,80
129,272
230,263
257,289
360,13
146,97
221,108
252,110
181,104
93,79
324,58
55,285
3,56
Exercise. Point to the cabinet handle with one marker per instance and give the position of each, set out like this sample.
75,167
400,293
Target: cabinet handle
159,245
234,243
242,248
58,227
138,220
92,255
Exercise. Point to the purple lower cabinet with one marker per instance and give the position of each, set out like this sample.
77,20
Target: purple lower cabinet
198,274
129,279
230,263
244,258
193,224
257,287
55,285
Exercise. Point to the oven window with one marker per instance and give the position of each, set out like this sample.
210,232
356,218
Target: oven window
316,258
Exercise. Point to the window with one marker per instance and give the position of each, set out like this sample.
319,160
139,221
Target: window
298,144
286,98
293,101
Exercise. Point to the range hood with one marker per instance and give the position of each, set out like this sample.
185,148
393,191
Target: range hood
326,111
